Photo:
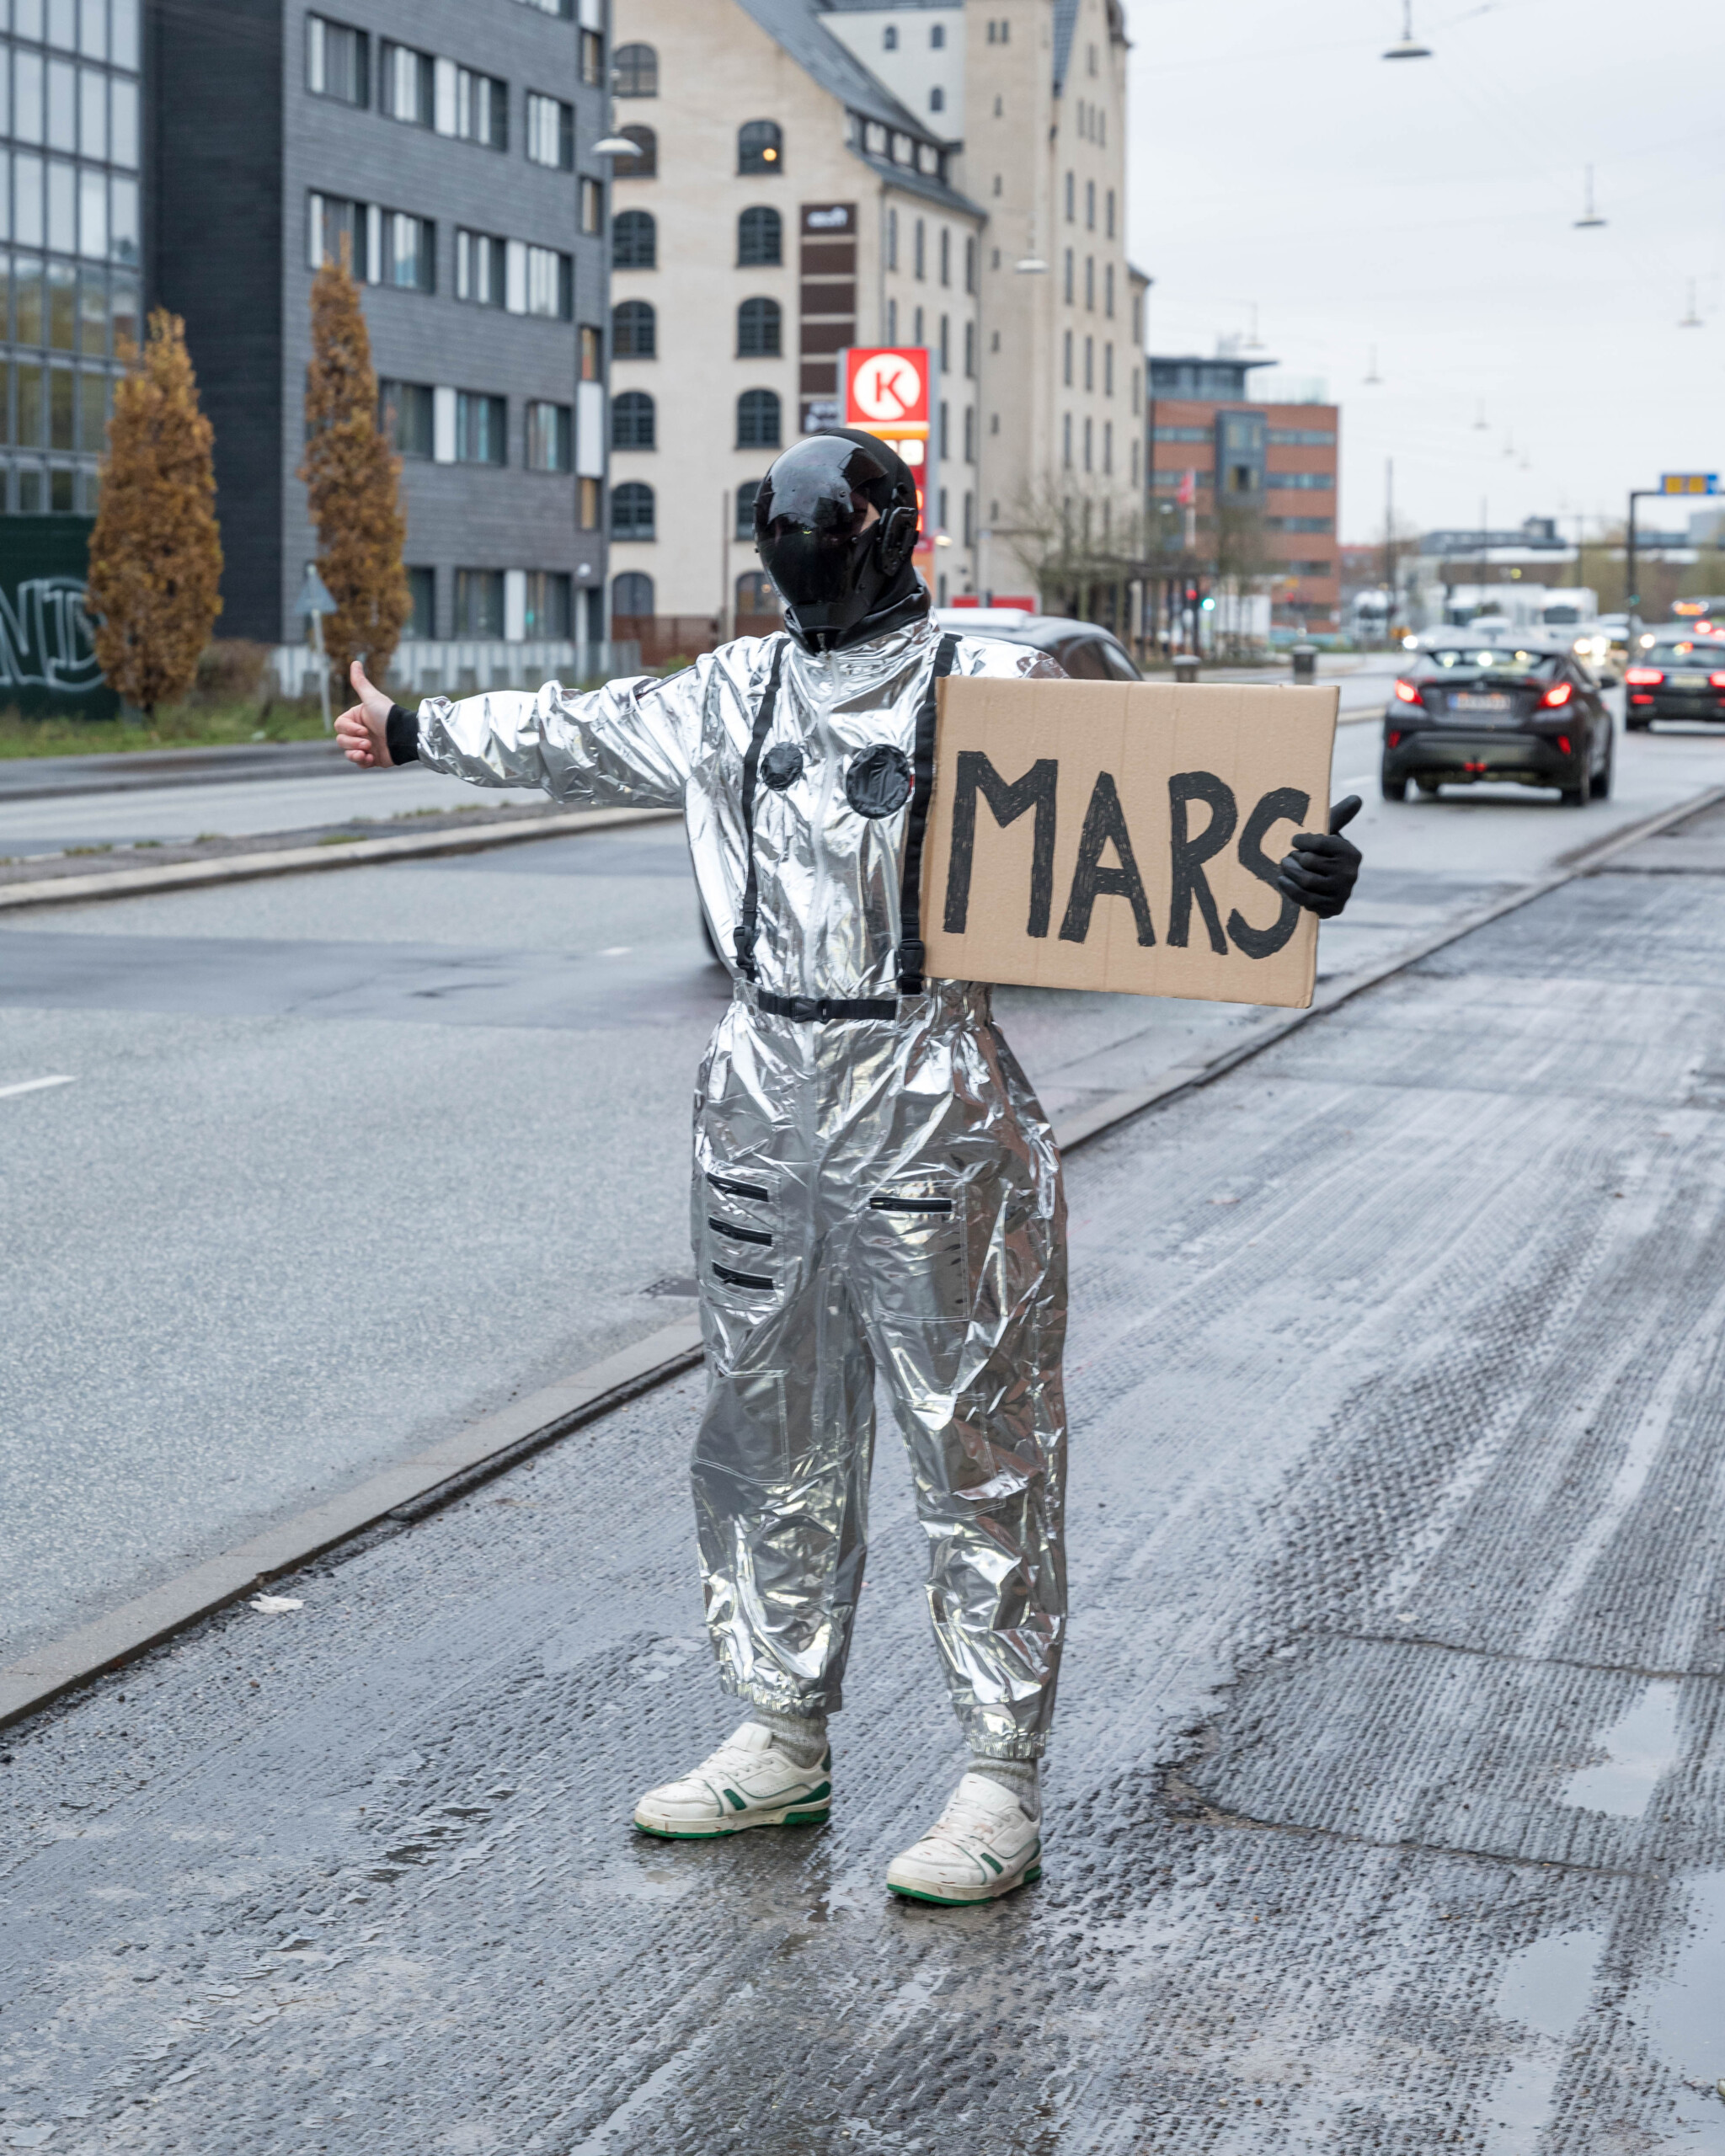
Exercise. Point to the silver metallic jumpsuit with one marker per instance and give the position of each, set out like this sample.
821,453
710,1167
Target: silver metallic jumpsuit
876,1197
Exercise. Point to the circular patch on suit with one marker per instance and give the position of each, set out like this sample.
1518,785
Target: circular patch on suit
878,781
781,766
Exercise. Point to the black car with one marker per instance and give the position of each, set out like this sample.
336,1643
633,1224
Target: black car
1678,674
1517,709
1086,650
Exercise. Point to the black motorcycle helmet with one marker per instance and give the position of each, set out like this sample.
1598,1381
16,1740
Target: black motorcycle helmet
843,575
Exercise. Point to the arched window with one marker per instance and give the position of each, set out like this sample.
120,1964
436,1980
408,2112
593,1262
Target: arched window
890,40
631,596
631,512
634,73
644,164
760,146
634,240
758,420
760,329
634,421
760,238
745,508
937,99
755,595
635,331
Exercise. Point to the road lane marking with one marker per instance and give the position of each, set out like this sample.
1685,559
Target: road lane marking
34,1085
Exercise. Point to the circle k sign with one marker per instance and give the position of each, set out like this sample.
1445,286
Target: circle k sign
886,387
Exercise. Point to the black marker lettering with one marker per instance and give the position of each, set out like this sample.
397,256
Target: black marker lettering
1284,804
1007,803
1104,820
1190,854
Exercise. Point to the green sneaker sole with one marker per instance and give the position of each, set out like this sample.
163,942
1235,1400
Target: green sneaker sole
965,1900
816,1817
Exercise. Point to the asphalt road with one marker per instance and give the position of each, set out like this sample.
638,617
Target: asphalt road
349,1161
1386,1812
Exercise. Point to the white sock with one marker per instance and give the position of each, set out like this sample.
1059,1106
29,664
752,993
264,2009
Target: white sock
801,1739
1018,1775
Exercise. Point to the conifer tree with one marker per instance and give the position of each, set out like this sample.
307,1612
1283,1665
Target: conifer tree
351,478
154,574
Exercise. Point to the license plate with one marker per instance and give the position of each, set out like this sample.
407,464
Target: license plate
1688,680
1460,701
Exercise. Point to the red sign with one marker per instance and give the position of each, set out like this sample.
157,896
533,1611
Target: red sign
886,388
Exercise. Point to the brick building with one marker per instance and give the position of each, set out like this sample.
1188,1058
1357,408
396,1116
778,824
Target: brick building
1264,478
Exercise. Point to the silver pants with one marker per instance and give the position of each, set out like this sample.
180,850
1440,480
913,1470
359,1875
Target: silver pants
881,1200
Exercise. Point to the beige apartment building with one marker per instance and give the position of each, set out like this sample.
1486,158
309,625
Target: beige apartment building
814,174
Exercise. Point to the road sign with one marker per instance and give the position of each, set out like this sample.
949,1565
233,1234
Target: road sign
314,597
886,388
1689,482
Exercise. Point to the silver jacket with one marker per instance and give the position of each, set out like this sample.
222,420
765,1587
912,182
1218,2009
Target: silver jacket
874,1199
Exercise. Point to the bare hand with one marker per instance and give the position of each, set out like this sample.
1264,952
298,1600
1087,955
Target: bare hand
362,731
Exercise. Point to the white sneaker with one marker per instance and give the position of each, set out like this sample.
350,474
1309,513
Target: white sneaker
982,1846
748,1782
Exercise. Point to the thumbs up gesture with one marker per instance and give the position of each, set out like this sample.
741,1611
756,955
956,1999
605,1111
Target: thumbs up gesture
362,731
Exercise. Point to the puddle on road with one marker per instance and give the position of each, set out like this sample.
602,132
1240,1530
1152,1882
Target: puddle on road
1681,2017
1546,1987
1640,1745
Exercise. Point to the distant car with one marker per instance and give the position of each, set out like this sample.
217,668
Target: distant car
1676,673
1520,709
1086,650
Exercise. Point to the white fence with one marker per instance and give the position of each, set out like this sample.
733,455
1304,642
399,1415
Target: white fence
421,668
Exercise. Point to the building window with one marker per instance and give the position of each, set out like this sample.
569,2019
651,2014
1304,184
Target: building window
745,508
938,37
480,429
592,354
587,497
758,420
946,342
892,322
946,256
919,258
634,240
549,615
760,325
1066,360
760,146
635,328
409,252
479,272
631,596
916,337
1090,282
632,512
892,239
1088,437
1090,205
946,435
970,351
550,284
756,597
1066,441
479,602
1111,213
550,437
592,59
890,40
634,73
937,99
338,62
969,439
760,238
407,86
634,421
405,416
592,207
1090,363
1107,369
1108,444
644,163
1071,197
1067,293
551,132
337,232
970,265
478,111
422,602
1108,290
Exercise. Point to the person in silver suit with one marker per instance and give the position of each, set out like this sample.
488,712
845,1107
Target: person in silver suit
876,1194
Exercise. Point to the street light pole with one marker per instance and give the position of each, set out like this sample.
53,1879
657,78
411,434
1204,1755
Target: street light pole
1631,575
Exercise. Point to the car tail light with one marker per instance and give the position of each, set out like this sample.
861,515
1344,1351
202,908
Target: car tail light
1395,740
1407,693
1564,746
1716,681
1643,677
1555,698
1641,699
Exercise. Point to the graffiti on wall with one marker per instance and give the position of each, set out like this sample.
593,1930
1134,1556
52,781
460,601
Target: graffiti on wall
45,638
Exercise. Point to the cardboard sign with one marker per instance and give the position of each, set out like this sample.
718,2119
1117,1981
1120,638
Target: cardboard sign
1124,835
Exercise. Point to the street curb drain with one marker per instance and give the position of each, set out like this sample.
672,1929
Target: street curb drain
419,1486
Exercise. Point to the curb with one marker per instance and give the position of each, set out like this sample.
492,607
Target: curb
422,1484
299,860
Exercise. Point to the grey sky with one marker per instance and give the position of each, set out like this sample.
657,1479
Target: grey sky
1426,207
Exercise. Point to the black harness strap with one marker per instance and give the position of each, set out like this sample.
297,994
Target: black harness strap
746,927
911,952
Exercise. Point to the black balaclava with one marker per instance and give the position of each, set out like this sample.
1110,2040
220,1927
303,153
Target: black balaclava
840,584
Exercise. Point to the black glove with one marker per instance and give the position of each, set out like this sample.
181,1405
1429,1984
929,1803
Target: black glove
1320,872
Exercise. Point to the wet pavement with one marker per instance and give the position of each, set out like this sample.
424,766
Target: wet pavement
1385,1811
